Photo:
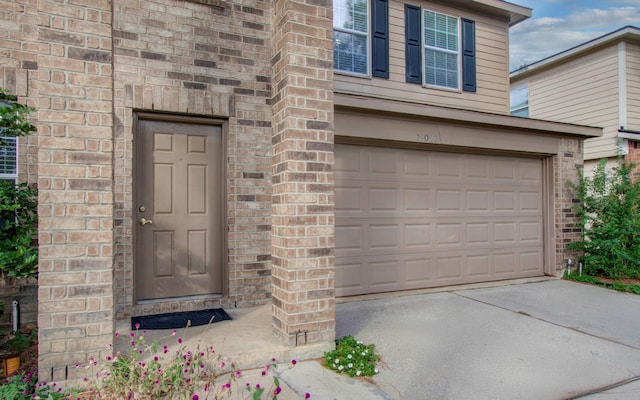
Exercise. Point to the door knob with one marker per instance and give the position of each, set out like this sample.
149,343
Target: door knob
144,221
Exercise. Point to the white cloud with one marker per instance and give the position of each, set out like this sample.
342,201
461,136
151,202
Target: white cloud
537,38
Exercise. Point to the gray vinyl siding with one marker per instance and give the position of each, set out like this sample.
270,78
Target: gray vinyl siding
491,67
582,91
633,87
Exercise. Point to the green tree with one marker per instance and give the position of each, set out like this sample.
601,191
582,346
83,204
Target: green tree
609,210
18,202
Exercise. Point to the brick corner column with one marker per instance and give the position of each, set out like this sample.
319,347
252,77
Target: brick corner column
302,161
75,182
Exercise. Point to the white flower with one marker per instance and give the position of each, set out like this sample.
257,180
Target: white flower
364,353
359,342
340,368
349,356
358,373
350,365
375,370
336,361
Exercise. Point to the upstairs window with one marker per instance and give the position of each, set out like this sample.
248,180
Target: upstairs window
361,37
441,50
519,99
351,36
8,158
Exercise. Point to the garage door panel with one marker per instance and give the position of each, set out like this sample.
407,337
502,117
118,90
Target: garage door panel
352,278
478,267
529,261
382,199
531,232
505,263
418,272
349,197
384,237
449,267
477,200
384,275
448,234
416,199
381,162
410,219
448,200
417,165
478,233
349,237
530,201
417,236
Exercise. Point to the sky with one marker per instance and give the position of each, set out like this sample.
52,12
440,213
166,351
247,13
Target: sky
557,25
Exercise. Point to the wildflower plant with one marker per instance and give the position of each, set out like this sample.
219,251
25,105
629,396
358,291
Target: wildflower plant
156,371
352,357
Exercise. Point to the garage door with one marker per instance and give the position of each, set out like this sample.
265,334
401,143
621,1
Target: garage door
411,219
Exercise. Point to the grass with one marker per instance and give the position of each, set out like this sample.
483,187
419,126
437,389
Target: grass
614,285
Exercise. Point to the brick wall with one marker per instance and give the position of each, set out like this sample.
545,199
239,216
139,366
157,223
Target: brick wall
633,156
303,200
75,171
566,165
19,70
188,58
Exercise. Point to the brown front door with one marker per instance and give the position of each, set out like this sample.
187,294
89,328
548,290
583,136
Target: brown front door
178,210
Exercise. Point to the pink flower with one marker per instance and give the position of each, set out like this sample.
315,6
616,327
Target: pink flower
277,391
294,362
132,335
137,325
307,395
179,340
195,397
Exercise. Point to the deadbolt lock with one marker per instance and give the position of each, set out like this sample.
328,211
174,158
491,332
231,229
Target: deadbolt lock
142,209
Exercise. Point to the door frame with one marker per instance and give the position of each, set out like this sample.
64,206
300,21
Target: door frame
184,119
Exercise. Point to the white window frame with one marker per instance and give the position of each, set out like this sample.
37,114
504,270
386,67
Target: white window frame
4,163
457,53
366,35
520,109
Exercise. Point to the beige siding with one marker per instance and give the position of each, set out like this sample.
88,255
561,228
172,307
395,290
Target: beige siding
582,91
491,63
633,87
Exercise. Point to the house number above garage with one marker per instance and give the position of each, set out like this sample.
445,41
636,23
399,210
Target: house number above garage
428,138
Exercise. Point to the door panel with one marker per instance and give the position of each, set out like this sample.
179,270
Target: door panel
178,210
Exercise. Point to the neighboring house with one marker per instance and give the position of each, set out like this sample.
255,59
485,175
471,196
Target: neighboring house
596,83
211,153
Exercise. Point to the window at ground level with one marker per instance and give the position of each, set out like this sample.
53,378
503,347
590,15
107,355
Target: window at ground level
8,158
519,100
351,36
441,50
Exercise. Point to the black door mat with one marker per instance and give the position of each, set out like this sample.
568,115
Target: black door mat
179,319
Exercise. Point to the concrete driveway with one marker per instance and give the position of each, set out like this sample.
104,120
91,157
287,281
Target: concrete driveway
553,339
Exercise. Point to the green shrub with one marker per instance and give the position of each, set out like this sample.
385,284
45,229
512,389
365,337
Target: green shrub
18,227
18,203
608,206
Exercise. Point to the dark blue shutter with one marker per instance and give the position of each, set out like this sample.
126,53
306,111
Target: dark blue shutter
380,38
468,55
413,44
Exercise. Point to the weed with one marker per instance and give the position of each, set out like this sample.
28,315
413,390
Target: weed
352,357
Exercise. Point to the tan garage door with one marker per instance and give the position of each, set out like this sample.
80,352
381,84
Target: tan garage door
410,219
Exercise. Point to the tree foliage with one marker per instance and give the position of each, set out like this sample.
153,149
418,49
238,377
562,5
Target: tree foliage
18,202
609,210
